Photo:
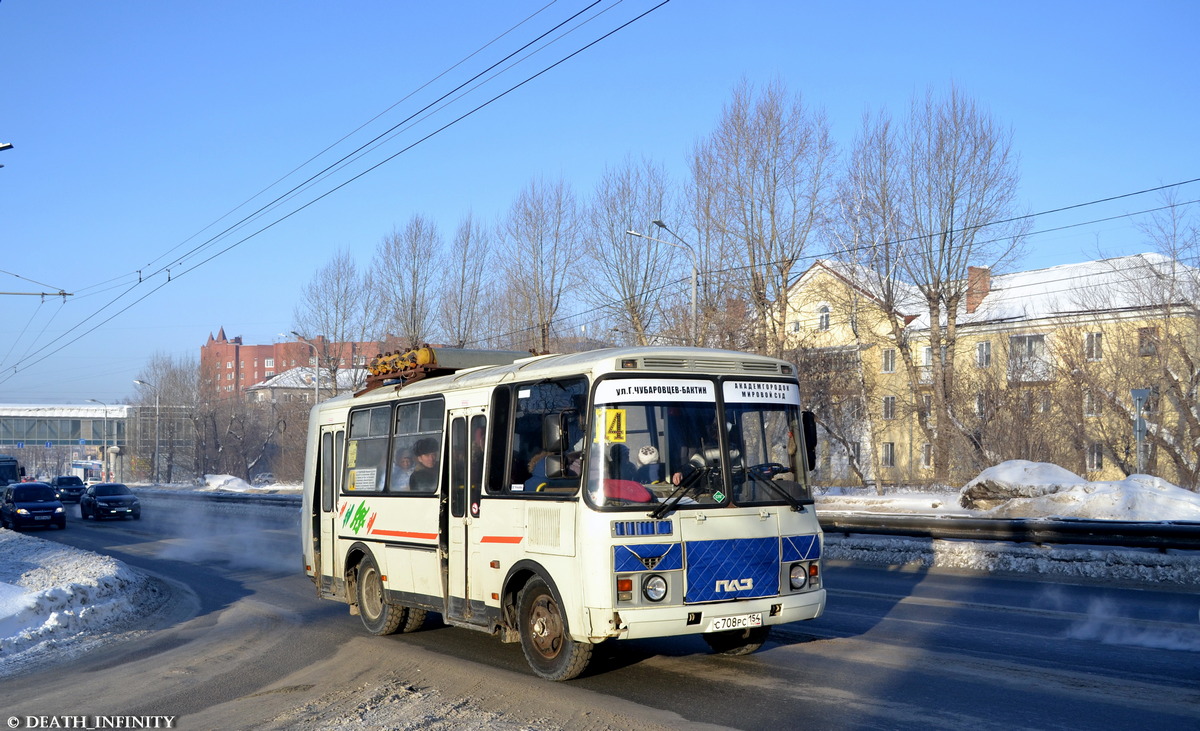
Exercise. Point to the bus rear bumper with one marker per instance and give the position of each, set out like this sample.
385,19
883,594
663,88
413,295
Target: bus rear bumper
642,622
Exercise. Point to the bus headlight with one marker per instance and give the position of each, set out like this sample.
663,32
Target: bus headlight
798,576
654,588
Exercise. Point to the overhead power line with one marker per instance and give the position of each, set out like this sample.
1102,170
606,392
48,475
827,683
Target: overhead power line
22,365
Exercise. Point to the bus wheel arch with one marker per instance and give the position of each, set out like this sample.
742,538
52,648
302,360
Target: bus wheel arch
518,576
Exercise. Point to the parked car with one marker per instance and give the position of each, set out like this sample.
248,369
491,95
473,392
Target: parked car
31,504
68,487
109,500
263,478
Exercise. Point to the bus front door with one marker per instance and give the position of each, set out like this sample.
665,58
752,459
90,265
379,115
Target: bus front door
467,427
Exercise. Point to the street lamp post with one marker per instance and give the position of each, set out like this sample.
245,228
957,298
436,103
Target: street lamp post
316,367
695,268
156,423
104,454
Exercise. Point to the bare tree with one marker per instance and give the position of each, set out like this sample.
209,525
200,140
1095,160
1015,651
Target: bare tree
406,281
171,428
924,204
539,255
627,272
342,306
465,292
765,175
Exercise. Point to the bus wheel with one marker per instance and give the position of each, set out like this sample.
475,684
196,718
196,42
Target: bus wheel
414,619
547,645
378,616
738,641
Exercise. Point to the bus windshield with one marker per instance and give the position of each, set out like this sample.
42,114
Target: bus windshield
655,441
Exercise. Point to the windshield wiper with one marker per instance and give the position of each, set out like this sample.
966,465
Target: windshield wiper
685,486
797,505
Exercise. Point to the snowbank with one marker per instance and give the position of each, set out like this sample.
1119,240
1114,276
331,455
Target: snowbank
52,595
1021,489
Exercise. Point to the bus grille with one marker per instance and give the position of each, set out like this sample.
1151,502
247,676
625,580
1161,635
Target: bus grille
740,568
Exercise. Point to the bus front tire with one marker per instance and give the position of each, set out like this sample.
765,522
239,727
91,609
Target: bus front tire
378,616
738,641
545,640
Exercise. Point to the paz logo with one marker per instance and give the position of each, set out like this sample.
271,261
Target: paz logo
734,585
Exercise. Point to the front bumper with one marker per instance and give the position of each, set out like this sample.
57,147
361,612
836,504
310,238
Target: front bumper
642,622
106,511
39,520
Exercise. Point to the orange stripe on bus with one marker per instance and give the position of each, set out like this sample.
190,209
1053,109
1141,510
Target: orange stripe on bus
404,534
501,539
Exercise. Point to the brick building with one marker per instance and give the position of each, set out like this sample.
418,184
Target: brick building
228,366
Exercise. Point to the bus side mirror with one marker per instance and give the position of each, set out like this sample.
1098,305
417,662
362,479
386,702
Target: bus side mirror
552,432
809,420
554,466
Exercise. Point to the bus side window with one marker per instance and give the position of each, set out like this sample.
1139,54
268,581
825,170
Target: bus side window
475,464
536,469
458,464
496,471
325,475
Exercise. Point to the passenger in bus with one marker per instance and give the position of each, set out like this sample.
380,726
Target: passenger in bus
619,466
402,472
424,475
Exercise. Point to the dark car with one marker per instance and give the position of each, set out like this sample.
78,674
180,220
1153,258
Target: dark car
29,504
68,487
109,500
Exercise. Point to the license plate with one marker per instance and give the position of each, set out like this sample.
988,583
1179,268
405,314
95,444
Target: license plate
742,621
41,517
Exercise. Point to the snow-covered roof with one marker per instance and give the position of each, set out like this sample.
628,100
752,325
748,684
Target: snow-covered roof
1122,283
302,377
1119,284
64,411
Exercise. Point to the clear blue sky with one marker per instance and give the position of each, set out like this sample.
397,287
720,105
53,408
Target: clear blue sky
137,124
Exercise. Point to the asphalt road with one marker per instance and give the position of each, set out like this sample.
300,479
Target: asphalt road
245,644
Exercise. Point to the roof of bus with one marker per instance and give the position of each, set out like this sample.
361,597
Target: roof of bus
674,360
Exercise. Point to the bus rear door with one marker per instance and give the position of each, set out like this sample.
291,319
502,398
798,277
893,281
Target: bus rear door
329,473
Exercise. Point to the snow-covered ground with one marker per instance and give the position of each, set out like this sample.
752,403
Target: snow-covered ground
58,598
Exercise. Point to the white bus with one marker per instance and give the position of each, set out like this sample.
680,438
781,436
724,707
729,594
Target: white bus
561,501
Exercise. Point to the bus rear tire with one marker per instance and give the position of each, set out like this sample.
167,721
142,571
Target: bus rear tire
378,616
545,639
738,641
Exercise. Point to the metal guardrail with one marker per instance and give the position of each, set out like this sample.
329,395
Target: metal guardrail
1128,534
243,498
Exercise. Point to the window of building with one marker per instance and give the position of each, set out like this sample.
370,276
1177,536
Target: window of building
927,456
854,450
889,407
1093,346
229,364
794,326
926,404
1148,341
1027,359
927,356
889,360
1095,457
269,363
980,405
823,317
888,454
1091,404
983,354
854,409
